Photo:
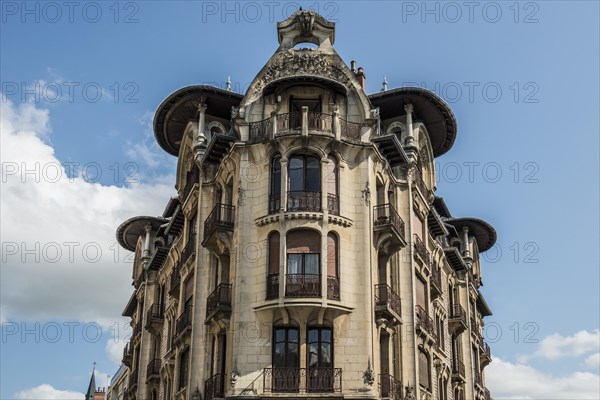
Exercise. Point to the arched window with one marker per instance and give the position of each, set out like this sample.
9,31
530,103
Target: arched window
304,183
333,281
275,185
303,277
273,266
331,180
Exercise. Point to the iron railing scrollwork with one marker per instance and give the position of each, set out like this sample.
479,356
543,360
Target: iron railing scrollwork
385,296
302,380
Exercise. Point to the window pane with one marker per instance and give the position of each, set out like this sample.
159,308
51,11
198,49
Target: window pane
279,335
311,264
313,336
293,335
296,174
279,355
313,355
325,355
313,174
326,335
276,177
294,264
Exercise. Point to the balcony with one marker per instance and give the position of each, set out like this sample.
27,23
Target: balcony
133,381
154,319
436,281
288,122
421,250
458,371
349,130
420,184
387,303
320,122
389,387
333,204
214,387
304,201
424,323
274,203
128,355
193,178
218,225
302,285
184,323
333,288
478,380
486,355
388,228
457,319
158,258
218,303
302,380
153,371
137,330
189,250
175,281
272,286
260,131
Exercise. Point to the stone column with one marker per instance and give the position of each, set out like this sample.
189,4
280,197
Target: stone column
284,188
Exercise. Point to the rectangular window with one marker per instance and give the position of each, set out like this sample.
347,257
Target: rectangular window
421,294
183,368
424,370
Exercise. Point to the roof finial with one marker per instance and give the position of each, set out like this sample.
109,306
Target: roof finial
300,9
385,84
228,83
94,369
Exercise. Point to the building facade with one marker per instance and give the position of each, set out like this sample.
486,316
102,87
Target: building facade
306,254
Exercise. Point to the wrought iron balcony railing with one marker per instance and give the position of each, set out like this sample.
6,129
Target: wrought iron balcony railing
304,201
386,297
302,285
214,387
274,203
333,204
457,318
302,380
183,322
272,286
259,131
175,280
221,217
420,249
153,370
390,387
458,368
349,130
333,288
436,280
189,249
219,300
193,177
386,214
155,312
424,322
288,122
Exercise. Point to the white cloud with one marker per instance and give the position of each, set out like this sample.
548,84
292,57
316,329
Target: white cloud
75,271
520,381
593,361
114,348
48,392
556,346
147,150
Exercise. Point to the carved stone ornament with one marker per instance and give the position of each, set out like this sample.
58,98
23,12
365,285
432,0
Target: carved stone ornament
301,62
369,375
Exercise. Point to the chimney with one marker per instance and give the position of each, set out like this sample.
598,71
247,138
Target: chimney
360,75
353,67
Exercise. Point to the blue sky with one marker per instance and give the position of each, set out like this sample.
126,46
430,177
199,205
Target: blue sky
79,89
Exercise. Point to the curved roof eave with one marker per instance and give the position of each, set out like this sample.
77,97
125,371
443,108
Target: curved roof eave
429,107
181,106
129,231
483,232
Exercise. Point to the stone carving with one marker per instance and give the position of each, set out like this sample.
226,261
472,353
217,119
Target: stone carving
306,19
301,62
369,375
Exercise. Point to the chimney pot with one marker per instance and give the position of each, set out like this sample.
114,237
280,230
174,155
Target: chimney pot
353,66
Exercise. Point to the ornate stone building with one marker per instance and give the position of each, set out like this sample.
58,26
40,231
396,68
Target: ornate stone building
306,254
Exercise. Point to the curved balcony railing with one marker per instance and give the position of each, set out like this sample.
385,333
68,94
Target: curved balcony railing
333,288
221,217
349,130
420,249
304,201
302,380
333,204
320,122
386,214
272,286
219,299
458,367
303,285
424,321
259,131
274,203
288,122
